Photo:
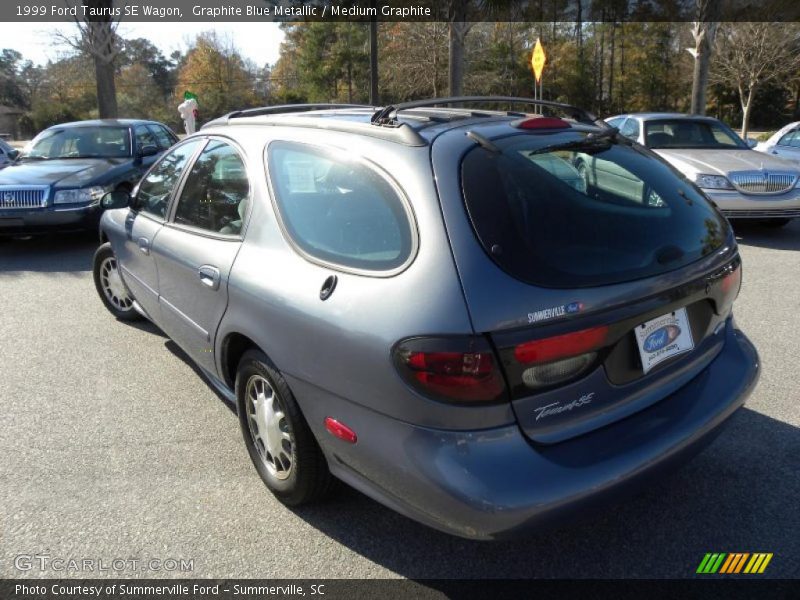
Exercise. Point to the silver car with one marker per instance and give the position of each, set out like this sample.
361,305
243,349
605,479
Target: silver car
745,184
427,303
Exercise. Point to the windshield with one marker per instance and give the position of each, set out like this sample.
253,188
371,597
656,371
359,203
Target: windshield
574,216
81,142
685,133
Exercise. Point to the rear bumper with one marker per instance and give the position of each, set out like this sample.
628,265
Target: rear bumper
735,205
494,484
49,220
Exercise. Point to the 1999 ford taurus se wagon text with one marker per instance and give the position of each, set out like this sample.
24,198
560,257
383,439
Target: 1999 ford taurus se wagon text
435,306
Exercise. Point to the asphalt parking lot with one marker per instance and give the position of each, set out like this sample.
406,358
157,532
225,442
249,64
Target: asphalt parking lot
114,447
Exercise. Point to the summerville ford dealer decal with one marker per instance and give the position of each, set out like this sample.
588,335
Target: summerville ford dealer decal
554,312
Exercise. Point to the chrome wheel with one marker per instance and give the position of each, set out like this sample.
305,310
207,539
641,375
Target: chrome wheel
113,287
269,428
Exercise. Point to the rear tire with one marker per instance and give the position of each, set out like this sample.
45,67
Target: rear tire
280,443
775,223
109,285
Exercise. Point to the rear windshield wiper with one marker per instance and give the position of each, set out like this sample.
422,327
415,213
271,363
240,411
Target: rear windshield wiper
603,138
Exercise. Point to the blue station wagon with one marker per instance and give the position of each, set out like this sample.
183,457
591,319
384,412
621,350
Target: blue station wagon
430,303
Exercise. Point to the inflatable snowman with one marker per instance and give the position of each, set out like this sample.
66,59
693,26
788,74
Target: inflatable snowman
189,112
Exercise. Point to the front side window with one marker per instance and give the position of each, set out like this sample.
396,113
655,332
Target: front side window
688,134
156,188
215,195
584,212
338,209
163,137
144,137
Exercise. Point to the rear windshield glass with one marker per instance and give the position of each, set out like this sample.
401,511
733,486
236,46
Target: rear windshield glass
582,213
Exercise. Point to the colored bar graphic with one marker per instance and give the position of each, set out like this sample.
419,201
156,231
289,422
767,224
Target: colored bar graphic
734,562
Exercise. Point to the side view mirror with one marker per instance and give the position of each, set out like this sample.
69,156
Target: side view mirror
115,199
148,150
752,142
14,154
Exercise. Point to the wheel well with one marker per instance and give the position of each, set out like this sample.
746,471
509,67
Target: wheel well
234,346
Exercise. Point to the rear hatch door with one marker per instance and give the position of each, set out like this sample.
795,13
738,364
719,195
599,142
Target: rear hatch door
564,253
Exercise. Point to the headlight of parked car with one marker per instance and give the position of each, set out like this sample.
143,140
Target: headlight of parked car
80,196
713,182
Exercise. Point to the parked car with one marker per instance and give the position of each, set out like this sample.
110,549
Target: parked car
425,303
57,182
8,154
745,184
784,143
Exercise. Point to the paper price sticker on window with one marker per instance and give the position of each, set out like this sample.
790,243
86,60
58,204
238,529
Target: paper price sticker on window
300,175
664,337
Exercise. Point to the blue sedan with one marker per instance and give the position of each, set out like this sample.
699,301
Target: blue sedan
57,182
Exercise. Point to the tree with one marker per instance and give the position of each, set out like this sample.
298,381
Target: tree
11,90
215,71
98,38
703,31
752,54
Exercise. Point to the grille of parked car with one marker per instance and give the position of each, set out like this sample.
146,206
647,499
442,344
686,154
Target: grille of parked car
763,182
23,196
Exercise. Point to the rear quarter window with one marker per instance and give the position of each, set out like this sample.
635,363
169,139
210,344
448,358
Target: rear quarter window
591,215
339,210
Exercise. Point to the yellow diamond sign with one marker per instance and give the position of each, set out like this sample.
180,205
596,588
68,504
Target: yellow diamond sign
537,60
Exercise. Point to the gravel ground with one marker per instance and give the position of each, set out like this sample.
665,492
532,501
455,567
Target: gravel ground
114,447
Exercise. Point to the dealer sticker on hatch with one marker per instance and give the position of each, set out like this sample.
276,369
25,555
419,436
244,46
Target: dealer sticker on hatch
664,337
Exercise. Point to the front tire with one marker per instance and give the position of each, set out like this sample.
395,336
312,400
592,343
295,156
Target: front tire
276,435
112,290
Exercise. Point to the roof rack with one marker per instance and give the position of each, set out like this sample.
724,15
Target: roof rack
280,109
388,114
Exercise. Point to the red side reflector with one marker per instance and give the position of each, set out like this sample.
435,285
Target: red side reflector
343,432
561,346
542,123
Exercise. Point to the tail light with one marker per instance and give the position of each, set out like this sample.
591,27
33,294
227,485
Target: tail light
557,359
452,369
732,282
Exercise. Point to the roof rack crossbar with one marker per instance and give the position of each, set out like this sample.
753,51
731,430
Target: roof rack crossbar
288,108
388,114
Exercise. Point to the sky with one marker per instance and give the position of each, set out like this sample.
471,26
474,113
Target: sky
260,42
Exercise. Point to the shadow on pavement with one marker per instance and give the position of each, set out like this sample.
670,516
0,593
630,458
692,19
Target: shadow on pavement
178,352
65,253
756,234
739,495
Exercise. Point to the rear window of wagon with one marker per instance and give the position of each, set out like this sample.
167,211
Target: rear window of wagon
596,213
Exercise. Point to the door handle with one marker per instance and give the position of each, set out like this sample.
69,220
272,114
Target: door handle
144,245
209,276
774,151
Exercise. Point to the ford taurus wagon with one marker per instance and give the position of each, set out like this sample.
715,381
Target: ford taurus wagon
431,304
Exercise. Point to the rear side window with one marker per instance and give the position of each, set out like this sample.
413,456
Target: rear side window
338,209
590,213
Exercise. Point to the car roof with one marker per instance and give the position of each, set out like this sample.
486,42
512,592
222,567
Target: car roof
106,123
652,116
413,126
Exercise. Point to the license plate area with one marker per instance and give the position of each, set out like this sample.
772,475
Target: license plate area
664,337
